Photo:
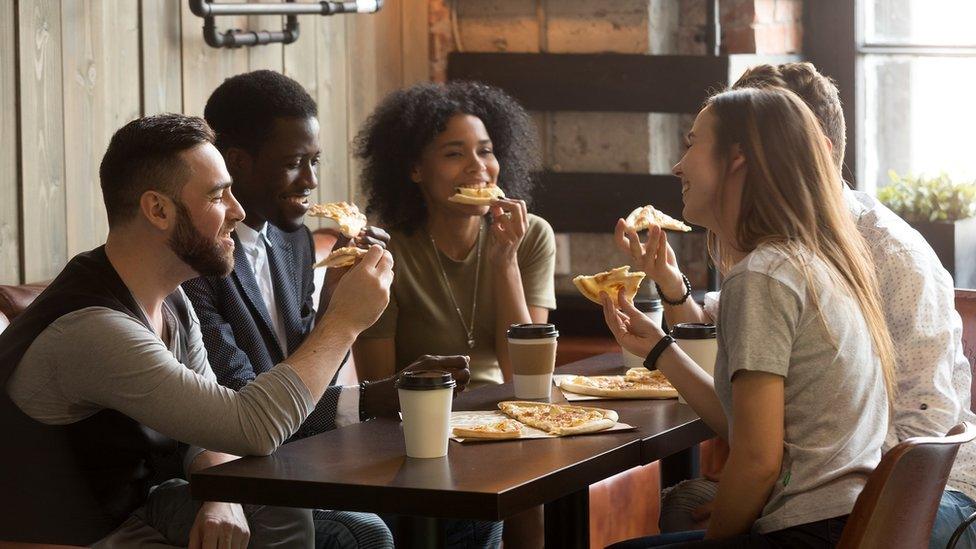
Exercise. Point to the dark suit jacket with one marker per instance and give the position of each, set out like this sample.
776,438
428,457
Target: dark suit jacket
237,331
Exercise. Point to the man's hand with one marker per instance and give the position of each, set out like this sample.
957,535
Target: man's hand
369,236
363,293
655,257
219,525
632,329
382,398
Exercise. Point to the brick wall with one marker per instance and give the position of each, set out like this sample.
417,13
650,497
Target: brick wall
612,142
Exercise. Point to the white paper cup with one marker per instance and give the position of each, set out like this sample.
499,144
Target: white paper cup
532,351
425,406
653,309
698,341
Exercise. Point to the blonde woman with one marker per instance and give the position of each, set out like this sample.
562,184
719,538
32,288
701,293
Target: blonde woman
805,360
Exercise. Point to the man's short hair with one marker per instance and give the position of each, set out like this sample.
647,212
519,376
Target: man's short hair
819,92
144,155
243,109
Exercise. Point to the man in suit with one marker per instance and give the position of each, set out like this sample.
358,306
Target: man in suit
267,132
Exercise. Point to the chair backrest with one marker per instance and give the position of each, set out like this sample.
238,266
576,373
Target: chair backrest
14,299
898,505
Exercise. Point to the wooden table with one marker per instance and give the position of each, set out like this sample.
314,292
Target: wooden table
364,468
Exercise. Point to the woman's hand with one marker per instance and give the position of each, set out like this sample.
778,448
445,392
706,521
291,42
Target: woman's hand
655,257
510,221
219,525
632,329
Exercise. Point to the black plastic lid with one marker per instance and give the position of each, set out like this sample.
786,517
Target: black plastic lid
425,381
693,330
648,305
532,331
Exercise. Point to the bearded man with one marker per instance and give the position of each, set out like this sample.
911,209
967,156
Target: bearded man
108,397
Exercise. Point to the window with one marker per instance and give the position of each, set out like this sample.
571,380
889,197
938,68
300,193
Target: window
916,82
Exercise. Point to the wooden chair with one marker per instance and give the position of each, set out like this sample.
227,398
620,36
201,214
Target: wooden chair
898,505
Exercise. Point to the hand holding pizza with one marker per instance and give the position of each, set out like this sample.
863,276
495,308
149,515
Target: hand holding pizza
655,257
633,330
509,223
381,396
362,295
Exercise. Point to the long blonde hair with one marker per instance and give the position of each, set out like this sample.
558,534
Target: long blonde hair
793,199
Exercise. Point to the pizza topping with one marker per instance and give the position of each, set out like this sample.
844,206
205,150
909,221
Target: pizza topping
645,216
613,282
559,419
350,220
342,257
478,196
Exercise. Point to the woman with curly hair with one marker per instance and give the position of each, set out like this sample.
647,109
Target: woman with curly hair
463,273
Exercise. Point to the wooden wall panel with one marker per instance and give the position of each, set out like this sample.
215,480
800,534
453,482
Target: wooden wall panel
9,204
162,62
42,139
376,67
268,56
99,59
205,68
415,50
335,182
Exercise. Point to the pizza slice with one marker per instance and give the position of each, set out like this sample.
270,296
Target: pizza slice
653,385
347,216
559,419
505,428
481,196
645,216
342,257
612,282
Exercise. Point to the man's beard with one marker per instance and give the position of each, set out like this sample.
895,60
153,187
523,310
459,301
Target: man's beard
206,257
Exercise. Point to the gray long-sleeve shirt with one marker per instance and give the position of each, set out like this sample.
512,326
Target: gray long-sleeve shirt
97,358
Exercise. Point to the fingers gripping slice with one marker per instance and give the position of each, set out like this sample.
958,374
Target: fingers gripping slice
645,216
613,282
342,257
481,196
350,220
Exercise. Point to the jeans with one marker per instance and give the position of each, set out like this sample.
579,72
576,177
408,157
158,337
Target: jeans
953,509
167,517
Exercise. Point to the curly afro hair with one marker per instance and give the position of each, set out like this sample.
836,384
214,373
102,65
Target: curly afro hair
243,109
391,143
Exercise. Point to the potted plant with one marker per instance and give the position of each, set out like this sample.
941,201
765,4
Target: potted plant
944,213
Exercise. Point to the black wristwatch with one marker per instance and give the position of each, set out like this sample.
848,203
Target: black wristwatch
363,414
651,361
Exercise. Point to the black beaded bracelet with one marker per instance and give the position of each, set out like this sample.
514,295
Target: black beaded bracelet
651,361
682,299
363,415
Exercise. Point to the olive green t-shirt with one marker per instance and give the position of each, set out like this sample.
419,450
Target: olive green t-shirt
421,316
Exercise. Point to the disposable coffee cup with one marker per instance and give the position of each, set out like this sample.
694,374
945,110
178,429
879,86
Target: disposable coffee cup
532,351
425,406
653,309
698,341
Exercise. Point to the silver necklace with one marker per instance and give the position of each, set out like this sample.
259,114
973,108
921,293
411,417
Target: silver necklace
468,329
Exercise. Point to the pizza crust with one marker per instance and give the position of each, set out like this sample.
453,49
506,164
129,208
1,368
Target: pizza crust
620,386
476,197
342,257
585,419
645,216
612,282
347,216
502,429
